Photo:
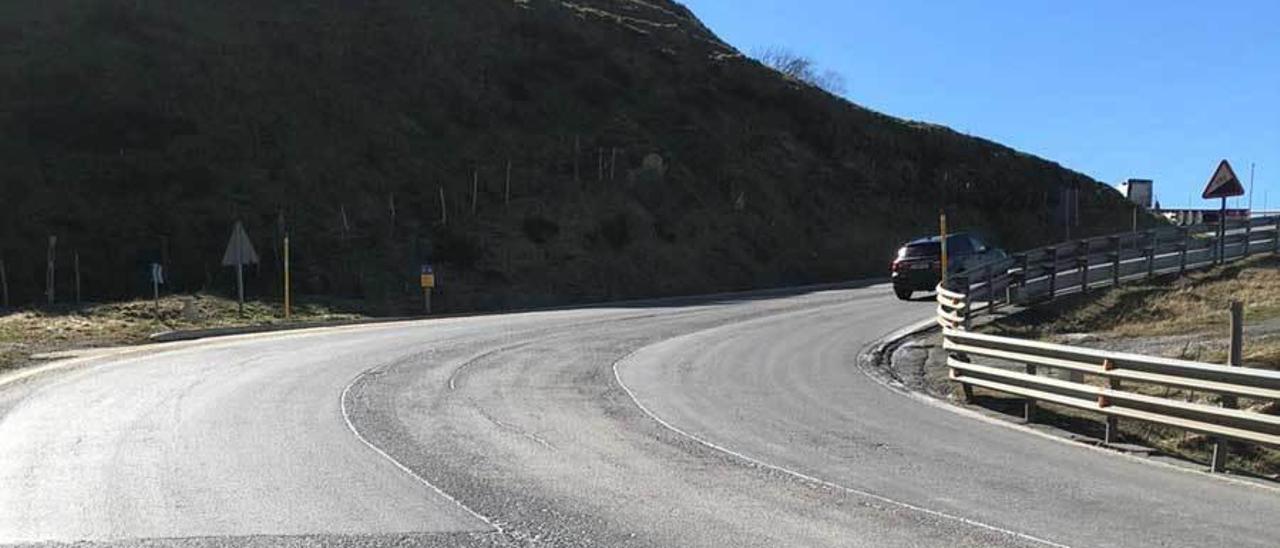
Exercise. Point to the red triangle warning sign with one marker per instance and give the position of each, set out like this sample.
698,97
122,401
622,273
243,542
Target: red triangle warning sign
1224,183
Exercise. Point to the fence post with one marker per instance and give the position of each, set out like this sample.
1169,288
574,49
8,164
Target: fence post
4,285
1154,242
1082,262
1117,251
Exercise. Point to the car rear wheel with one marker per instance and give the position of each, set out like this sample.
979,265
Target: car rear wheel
903,293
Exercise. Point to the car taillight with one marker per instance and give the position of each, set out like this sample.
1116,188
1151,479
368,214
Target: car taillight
896,265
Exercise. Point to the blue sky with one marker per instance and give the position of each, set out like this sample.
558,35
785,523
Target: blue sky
1160,90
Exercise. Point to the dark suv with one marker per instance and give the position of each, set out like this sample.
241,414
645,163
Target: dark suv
918,265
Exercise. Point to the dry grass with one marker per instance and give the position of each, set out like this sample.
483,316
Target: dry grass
35,331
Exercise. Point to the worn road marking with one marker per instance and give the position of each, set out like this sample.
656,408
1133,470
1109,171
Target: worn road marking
811,479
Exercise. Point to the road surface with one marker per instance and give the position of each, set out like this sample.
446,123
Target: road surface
721,421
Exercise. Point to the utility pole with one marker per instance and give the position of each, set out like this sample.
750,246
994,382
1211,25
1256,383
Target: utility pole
1252,168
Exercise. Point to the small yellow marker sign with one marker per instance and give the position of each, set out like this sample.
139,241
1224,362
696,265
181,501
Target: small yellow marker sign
428,277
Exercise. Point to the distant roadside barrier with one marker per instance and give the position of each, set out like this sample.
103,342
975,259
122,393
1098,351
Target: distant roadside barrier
1086,265
1113,384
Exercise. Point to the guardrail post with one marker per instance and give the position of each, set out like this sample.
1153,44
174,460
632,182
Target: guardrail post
1248,236
1013,290
991,289
1024,264
966,391
1214,254
1275,238
1053,272
1117,252
1029,405
1154,241
1186,245
1112,433
1082,262
968,303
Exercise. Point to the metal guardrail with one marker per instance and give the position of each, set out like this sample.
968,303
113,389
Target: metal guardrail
1114,372
1085,265
1115,376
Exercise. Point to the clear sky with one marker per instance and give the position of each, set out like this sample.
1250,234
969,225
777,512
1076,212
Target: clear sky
1114,89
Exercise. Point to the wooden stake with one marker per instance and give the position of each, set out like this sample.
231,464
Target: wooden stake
613,164
506,194
599,165
475,190
444,211
288,309
51,268
346,224
4,284
77,267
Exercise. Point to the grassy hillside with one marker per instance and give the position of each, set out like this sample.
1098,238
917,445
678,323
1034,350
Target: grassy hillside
646,157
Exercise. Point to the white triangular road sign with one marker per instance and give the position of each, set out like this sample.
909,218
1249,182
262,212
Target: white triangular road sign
239,248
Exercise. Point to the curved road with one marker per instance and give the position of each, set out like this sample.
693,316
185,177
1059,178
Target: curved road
738,420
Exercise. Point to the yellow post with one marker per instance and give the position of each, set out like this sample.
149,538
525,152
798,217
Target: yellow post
287,311
943,217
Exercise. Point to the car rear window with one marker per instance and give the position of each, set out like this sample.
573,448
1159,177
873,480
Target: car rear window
956,245
913,251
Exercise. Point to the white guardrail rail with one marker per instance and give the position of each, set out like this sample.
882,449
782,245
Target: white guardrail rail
1115,385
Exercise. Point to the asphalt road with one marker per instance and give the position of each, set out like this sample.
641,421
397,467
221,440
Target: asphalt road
731,421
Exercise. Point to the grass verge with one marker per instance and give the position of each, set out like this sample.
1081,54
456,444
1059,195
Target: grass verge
28,332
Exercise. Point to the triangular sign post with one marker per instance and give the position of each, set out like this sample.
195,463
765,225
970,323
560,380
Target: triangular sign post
1224,184
239,253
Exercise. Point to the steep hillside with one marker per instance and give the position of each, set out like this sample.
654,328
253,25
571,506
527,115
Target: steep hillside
646,157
